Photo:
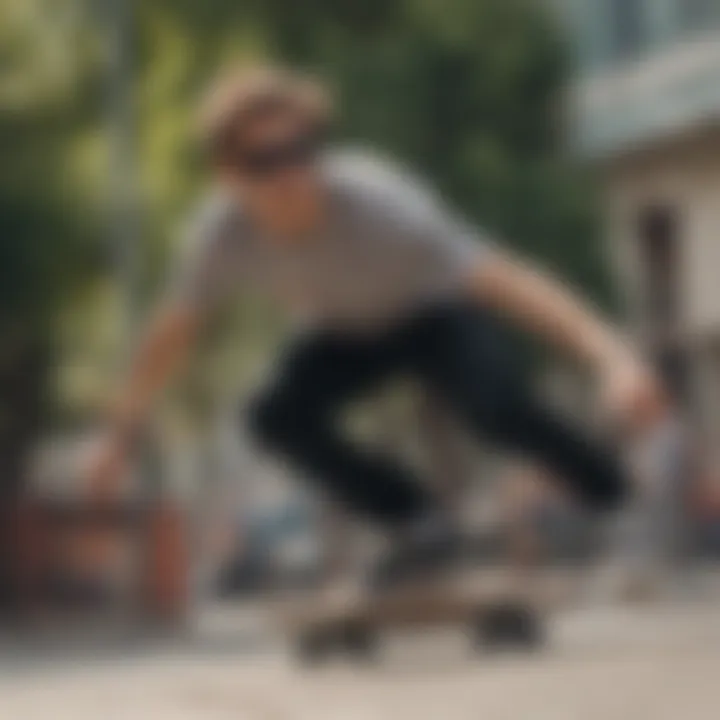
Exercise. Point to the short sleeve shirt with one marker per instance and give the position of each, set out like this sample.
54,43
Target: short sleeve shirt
388,248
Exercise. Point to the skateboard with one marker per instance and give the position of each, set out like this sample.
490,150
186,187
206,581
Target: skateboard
495,613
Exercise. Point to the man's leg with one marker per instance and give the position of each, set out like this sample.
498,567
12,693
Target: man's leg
462,355
297,417
464,359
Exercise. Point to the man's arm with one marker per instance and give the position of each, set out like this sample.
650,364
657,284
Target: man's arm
548,309
164,347
544,307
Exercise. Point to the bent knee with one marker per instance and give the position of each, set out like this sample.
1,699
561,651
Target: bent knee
265,421
275,423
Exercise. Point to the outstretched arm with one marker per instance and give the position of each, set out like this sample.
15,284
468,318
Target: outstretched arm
550,310
164,347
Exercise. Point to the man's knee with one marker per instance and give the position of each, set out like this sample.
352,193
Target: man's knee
267,421
275,423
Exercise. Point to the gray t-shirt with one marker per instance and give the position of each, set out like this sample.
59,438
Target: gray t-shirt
389,248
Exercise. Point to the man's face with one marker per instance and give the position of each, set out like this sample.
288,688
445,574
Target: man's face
276,160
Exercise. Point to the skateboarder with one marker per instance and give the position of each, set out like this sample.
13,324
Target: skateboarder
383,280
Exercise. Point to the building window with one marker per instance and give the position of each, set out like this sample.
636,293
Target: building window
697,14
627,27
673,366
659,249
659,237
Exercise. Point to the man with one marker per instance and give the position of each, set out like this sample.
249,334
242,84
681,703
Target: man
386,281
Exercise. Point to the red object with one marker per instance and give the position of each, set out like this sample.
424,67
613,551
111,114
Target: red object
25,553
38,539
166,581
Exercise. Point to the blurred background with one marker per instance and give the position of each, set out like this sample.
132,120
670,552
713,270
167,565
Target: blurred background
583,132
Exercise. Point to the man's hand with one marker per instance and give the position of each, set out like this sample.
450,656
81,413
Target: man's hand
631,394
165,344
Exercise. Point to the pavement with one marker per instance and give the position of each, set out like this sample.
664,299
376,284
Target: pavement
613,663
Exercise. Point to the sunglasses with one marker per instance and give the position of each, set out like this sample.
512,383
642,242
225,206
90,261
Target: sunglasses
263,162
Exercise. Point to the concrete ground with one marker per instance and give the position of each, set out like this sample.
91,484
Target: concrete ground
610,664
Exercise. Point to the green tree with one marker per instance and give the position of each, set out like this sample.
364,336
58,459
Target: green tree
47,240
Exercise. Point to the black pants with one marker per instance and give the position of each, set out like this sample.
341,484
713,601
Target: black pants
458,353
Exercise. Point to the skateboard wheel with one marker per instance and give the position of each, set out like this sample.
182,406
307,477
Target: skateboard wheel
314,646
509,625
359,641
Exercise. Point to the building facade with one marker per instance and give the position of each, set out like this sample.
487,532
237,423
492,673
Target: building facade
647,114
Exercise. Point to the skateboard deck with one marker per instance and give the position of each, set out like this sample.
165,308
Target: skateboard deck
497,610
